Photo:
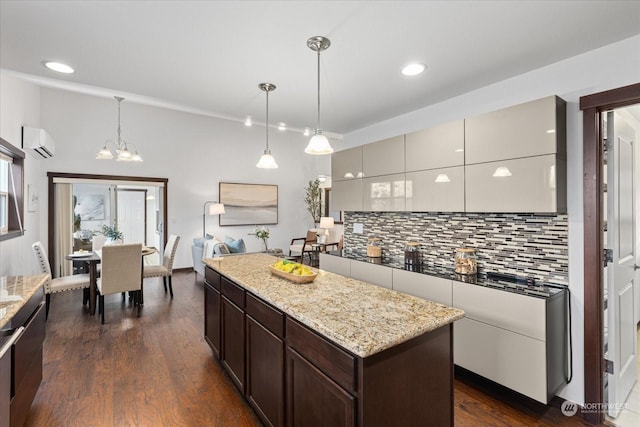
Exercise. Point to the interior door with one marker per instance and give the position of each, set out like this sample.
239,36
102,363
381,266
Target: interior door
622,347
132,214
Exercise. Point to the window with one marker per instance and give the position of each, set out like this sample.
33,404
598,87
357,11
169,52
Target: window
11,191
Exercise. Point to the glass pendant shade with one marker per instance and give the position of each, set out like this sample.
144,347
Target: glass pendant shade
104,154
267,161
318,144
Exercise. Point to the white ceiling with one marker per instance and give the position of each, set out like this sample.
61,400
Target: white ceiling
209,56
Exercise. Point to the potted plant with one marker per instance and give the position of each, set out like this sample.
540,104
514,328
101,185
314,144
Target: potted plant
313,201
112,234
262,234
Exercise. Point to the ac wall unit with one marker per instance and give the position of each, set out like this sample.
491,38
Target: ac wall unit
39,141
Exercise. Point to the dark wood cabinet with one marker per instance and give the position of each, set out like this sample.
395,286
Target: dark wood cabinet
212,302
314,399
265,373
233,342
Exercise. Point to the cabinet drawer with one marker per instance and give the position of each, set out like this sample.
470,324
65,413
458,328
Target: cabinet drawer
334,362
266,315
518,313
212,277
335,264
372,273
423,286
28,347
510,359
22,316
233,292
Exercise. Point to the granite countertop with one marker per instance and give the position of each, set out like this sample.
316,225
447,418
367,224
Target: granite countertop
15,291
363,318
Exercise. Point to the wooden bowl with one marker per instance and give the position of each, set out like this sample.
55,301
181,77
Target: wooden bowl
293,277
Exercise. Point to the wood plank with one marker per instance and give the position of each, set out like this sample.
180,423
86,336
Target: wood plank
157,369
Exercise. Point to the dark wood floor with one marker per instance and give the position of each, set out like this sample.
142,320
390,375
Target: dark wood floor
156,370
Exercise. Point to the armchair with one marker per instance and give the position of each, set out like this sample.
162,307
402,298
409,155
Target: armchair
302,245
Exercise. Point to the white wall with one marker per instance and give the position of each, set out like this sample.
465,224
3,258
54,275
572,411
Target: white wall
20,105
194,152
606,68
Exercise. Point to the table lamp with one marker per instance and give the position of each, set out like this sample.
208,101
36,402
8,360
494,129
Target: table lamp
326,222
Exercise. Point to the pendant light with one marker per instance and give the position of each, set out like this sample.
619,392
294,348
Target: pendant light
124,154
267,161
318,144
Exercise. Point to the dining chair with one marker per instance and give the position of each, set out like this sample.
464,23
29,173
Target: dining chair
58,284
300,249
164,270
121,272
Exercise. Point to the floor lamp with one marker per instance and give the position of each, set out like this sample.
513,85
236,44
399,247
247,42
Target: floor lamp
215,208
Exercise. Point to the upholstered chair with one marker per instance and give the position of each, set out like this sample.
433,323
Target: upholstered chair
302,245
58,284
164,270
121,272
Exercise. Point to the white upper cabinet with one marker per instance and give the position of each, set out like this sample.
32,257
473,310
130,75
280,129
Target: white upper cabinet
384,157
531,184
384,193
435,190
346,164
437,147
346,195
530,129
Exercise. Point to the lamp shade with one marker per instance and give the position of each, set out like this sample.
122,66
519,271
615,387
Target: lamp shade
267,161
326,222
216,209
318,144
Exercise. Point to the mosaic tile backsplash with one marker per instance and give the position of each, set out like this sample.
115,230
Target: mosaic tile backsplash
530,245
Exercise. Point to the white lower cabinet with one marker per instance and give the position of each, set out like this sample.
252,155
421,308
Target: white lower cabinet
372,273
423,286
335,264
513,360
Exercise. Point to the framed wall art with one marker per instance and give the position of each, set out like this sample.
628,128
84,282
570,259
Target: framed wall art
249,204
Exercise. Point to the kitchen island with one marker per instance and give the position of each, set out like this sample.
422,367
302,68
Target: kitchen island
337,351
22,333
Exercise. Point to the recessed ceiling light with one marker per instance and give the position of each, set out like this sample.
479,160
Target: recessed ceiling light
248,122
413,69
282,126
307,132
59,67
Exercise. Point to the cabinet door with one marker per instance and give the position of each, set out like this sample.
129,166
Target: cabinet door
435,190
265,373
346,195
335,264
508,358
233,344
533,184
313,399
384,157
423,286
346,164
212,318
434,148
383,193
372,273
530,129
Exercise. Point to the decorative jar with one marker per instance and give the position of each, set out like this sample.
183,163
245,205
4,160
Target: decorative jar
412,253
374,247
466,261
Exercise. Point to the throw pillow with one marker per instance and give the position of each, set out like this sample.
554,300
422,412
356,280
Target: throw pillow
235,246
221,249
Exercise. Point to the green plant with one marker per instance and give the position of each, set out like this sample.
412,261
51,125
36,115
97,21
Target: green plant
111,232
312,200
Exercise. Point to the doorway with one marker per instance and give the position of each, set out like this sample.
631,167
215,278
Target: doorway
592,107
80,204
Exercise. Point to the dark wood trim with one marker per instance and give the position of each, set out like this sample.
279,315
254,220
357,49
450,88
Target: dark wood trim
11,150
592,106
15,216
51,192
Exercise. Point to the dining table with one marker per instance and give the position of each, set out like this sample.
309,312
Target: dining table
92,259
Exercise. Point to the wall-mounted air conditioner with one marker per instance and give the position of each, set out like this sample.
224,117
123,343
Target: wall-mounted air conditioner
39,141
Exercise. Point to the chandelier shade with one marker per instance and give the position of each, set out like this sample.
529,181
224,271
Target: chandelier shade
125,151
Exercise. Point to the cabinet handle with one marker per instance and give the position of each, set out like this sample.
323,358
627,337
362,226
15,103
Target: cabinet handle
7,346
